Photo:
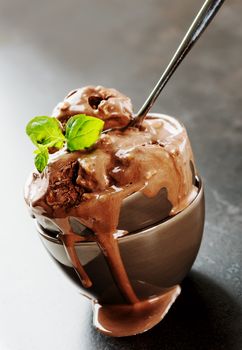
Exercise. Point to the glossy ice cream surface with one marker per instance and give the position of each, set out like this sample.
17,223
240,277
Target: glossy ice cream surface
107,104
91,186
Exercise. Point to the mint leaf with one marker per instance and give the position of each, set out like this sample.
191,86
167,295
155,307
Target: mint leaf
41,158
45,131
82,131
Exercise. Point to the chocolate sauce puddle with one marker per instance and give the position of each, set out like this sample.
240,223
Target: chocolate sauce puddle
126,320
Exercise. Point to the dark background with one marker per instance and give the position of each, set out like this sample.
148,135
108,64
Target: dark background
50,47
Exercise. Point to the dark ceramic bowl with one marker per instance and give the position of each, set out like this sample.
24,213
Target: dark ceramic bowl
157,256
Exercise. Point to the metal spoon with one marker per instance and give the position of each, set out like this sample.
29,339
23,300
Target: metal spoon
200,23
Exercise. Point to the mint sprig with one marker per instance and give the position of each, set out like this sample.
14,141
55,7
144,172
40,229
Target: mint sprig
82,131
46,132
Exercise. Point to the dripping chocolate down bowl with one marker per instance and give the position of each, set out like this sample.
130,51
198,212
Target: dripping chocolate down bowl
157,253
128,248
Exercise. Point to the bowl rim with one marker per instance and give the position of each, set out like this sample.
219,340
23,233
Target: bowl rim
133,235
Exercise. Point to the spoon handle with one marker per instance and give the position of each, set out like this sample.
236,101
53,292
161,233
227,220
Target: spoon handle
200,23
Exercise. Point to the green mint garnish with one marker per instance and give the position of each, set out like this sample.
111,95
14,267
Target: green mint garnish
82,131
45,132
41,158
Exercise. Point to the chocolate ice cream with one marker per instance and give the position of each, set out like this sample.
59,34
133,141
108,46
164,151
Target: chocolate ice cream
107,104
90,185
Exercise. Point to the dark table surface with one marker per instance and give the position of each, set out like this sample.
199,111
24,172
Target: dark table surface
51,46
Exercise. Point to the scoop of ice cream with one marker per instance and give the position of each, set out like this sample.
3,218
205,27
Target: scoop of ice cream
158,156
114,108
